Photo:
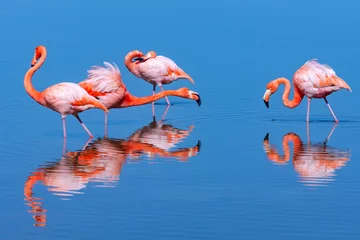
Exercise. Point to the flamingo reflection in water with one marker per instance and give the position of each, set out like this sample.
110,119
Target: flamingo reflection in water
316,163
101,161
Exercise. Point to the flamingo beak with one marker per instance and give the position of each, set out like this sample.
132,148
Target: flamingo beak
266,97
138,59
198,100
266,104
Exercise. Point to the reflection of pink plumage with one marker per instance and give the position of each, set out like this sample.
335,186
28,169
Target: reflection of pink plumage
313,80
64,98
157,70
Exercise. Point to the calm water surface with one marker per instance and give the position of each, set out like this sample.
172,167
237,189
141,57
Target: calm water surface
230,169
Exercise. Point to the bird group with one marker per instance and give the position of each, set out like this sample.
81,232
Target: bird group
104,88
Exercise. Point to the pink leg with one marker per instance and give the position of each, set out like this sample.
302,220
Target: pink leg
332,113
82,124
153,104
308,110
167,100
64,125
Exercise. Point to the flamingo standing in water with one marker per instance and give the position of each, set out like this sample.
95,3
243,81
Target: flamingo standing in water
64,98
313,80
157,70
105,84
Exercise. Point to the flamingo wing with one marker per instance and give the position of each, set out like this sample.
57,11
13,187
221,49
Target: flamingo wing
319,76
103,80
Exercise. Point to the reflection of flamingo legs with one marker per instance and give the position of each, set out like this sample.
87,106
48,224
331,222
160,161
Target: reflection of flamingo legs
331,132
327,138
64,148
165,112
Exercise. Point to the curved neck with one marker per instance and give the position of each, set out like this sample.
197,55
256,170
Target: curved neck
37,96
130,100
275,156
131,66
298,96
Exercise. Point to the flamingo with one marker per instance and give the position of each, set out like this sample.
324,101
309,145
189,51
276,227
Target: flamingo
314,162
105,84
313,80
157,70
64,98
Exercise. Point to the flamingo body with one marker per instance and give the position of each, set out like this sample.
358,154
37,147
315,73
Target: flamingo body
67,98
160,70
156,70
105,84
317,80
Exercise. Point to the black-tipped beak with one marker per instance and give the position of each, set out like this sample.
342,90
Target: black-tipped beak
266,138
266,104
198,100
138,59
32,65
199,145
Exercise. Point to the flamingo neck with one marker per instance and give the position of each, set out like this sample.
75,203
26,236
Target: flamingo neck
298,96
130,100
131,66
34,94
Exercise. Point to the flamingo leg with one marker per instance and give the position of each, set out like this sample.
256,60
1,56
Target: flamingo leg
167,100
82,124
106,125
64,125
308,110
153,104
332,113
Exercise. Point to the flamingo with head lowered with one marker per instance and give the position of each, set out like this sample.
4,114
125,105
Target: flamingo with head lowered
157,70
64,98
105,84
313,80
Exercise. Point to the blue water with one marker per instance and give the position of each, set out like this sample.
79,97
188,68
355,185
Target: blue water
223,178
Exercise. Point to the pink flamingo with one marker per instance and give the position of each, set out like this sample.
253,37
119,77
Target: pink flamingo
64,98
313,80
105,84
157,70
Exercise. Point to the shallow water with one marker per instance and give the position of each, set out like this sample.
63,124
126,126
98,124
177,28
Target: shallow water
230,169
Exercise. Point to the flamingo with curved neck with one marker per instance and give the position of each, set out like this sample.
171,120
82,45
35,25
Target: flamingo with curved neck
157,70
64,98
313,80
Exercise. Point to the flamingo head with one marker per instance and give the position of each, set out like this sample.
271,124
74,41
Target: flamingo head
187,93
271,88
150,54
37,54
